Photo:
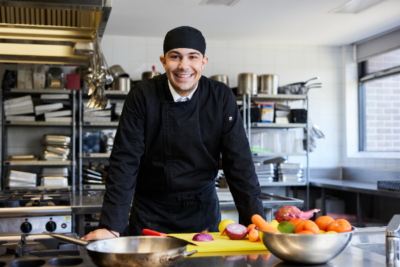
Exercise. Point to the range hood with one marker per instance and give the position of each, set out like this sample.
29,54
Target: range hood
45,31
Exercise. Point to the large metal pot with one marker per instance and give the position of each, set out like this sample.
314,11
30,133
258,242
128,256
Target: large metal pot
247,83
122,84
149,74
268,84
133,251
221,78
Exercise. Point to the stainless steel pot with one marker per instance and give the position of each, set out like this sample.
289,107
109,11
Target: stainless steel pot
117,71
268,84
133,251
221,78
247,83
122,84
149,74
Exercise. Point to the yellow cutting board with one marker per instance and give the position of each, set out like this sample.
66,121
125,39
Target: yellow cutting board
221,244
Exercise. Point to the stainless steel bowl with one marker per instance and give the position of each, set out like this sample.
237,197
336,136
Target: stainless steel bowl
306,249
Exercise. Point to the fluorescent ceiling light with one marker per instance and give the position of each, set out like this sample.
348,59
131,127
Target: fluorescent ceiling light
356,6
219,2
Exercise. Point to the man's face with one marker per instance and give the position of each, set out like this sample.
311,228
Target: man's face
183,67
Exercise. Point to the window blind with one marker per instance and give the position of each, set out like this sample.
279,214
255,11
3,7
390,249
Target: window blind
378,44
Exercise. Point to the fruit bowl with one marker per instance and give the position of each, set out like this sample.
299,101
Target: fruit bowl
306,249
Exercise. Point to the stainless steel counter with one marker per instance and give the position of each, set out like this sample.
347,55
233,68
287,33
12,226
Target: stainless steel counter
352,186
350,257
89,202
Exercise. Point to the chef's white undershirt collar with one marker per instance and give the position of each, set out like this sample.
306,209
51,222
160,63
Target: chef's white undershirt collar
177,97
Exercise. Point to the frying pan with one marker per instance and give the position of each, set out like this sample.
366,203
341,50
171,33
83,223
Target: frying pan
133,251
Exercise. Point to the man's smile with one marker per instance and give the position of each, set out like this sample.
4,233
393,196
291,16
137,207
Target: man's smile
183,75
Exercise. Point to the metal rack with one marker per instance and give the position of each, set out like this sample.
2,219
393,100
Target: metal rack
81,125
246,100
7,124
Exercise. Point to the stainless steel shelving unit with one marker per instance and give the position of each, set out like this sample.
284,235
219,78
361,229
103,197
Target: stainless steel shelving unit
5,124
247,100
85,125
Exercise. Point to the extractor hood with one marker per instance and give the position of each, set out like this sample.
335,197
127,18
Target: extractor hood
45,31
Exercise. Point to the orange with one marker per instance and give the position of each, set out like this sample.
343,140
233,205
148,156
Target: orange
305,232
323,222
295,221
339,226
251,226
307,225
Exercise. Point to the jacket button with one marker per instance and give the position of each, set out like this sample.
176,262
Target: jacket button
230,118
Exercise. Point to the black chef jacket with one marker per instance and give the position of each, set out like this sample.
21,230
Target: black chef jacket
168,152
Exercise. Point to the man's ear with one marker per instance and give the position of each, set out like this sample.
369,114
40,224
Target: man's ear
162,60
204,61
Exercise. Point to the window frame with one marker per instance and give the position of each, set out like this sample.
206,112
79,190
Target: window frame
364,77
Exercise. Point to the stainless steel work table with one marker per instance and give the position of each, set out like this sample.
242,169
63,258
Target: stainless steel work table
89,202
357,187
351,257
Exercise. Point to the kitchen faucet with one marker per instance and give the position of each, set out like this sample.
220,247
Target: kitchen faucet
393,242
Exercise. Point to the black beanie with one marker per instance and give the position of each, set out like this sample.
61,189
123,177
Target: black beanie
185,37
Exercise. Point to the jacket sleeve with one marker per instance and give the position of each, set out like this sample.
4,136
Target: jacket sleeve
124,164
238,164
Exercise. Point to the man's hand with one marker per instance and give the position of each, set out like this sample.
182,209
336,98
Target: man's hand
100,234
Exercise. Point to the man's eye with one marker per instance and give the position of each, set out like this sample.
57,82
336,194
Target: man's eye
174,57
193,57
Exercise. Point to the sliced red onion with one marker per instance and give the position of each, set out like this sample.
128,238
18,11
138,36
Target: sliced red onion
236,231
203,237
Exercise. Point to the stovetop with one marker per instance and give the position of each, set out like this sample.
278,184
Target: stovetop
35,198
39,250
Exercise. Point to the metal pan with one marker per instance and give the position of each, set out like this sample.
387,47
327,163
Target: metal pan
132,251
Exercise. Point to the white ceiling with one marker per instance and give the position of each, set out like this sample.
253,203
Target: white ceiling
275,21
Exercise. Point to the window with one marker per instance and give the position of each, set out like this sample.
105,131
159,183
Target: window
379,92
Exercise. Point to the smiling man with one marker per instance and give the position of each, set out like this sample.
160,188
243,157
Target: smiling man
171,133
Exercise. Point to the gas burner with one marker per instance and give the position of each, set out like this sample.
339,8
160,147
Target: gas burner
34,249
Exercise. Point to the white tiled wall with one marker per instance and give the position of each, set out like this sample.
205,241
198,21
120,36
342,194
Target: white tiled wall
292,63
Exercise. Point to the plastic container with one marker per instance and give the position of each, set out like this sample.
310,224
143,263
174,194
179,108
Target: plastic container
288,139
272,140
